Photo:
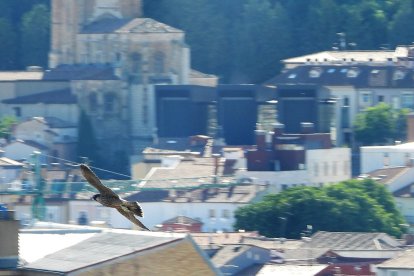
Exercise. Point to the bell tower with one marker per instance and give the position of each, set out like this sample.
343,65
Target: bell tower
70,16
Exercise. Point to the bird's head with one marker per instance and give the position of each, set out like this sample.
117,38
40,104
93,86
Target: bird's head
96,197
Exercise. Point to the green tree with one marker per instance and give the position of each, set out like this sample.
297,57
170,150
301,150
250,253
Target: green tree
87,143
6,124
263,40
8,46
380,124
355,205
35,32
401,28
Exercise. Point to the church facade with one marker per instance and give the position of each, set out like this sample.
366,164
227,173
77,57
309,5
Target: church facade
141,53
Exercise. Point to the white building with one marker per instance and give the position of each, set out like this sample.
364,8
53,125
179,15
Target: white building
378,157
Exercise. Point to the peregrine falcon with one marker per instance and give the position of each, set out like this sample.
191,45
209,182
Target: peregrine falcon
108,198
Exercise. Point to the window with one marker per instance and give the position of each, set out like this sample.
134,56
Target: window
109,103
17,111
211,213
398,74
135,67
93,102
352,72
334,168
366,99
225,213
159,62
396,102
386,160
393,273
346,101
380,98
315,72
325,168
407,100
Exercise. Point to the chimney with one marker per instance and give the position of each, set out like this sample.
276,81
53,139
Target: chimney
260,139
410,127
278,129
9,239
307,127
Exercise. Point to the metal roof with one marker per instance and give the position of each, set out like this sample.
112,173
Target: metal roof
99,248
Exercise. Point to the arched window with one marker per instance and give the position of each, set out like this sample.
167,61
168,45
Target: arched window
158,62
135,68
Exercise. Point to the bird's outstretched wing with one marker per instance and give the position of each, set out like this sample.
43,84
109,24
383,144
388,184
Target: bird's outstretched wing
94,181
132,218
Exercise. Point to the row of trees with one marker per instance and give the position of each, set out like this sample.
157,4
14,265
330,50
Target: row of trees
24,33
243,40
354,206
239,40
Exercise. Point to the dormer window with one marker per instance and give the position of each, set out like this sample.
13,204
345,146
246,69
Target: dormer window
352,72
292,76
398,74
315,72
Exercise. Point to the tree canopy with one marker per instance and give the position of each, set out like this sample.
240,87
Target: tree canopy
241,41
6,124
354,205
380,124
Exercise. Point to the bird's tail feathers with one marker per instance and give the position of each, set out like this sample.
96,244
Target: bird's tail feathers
135,208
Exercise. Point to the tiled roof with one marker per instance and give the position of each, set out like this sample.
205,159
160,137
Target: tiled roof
137,25
221,238
192,173
149,196
182,220
229,252
230,194
386,175
81,72
147,25
352,241
62,96
54,122
403,261
273,243
356,75
97,249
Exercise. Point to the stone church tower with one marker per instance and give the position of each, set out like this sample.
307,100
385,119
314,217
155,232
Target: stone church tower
113,59
69,17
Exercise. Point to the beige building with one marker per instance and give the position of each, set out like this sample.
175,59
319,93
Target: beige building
139,52
110,59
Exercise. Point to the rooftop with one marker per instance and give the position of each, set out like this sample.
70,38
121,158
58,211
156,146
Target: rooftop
352,241
403,261
61,96
100,247
81,72
137,25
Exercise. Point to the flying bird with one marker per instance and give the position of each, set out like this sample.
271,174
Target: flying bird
108,198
